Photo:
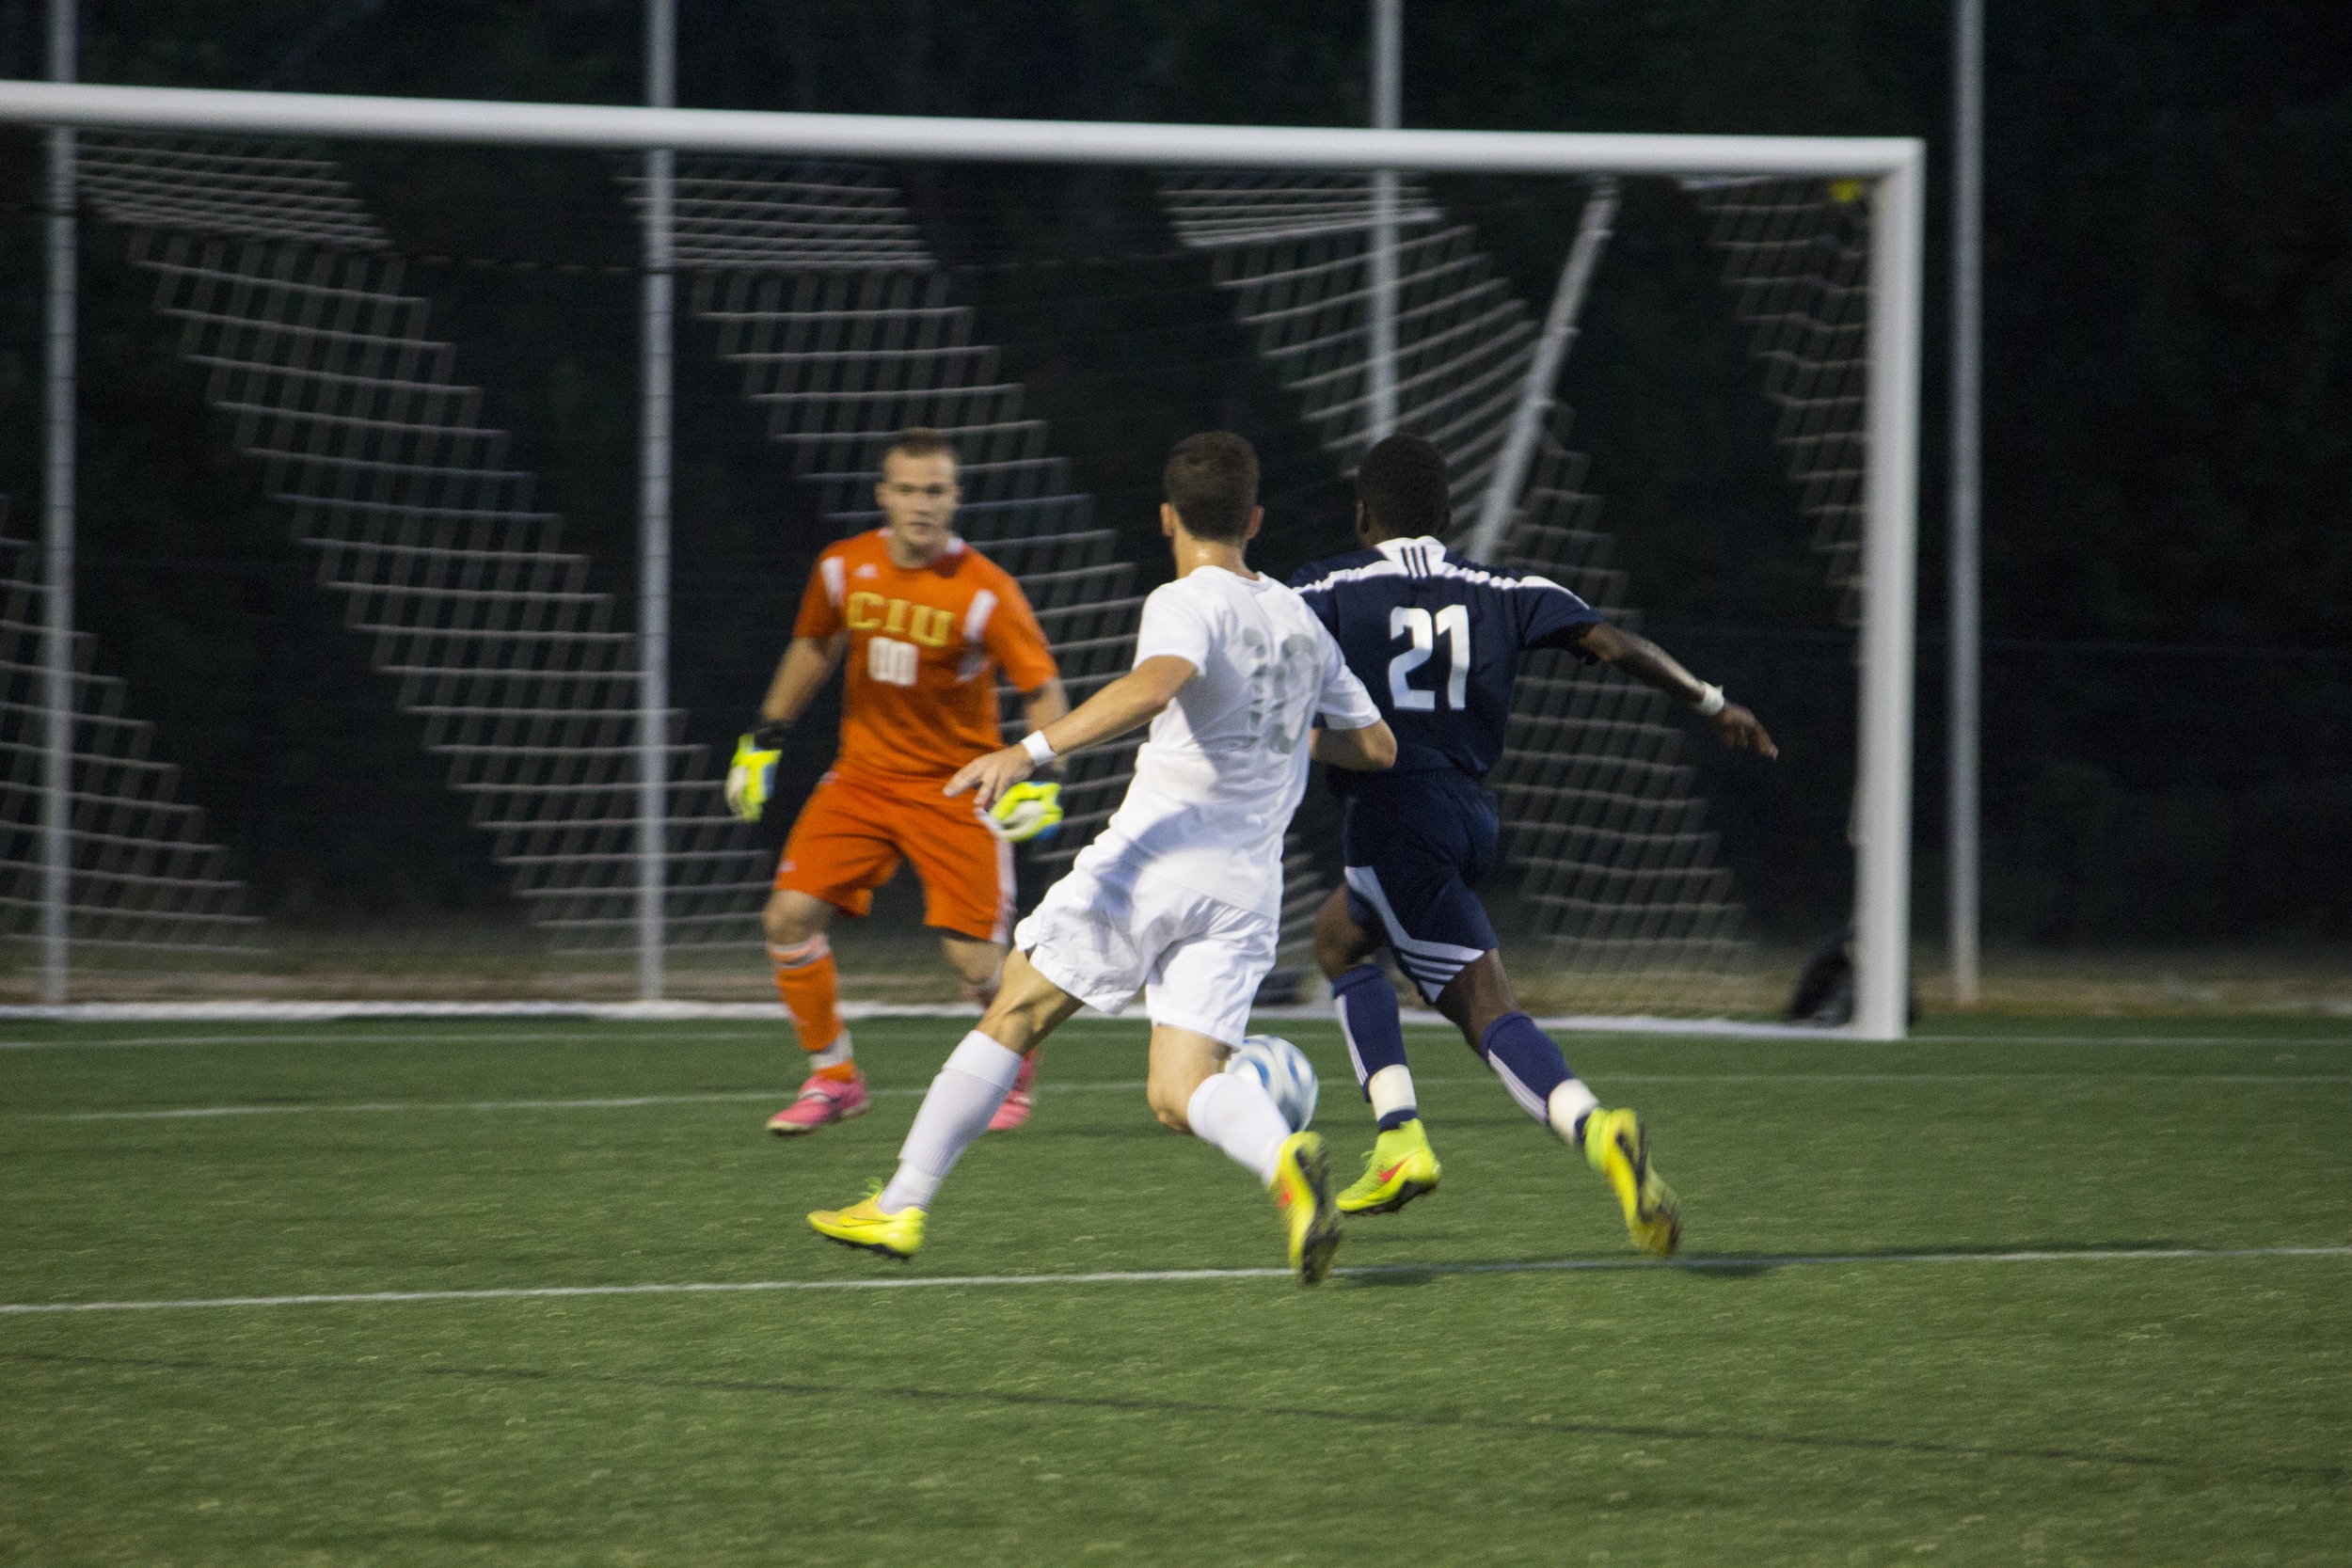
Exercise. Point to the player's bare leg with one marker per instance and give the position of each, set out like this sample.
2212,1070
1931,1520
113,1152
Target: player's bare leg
1181,1061
981,965
1027,1007
811,990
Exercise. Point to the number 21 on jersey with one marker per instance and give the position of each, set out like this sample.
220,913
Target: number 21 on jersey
1411,621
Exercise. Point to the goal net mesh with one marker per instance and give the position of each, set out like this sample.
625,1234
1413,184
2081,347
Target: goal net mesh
510,647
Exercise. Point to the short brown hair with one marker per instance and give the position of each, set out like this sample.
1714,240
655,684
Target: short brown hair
1212,482
1402,484
918,441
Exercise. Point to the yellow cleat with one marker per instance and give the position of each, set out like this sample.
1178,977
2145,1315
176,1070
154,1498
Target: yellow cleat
1617,1146
1399,1169
863,1225
1302,1190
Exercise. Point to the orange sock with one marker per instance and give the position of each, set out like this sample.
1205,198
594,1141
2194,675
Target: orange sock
811,989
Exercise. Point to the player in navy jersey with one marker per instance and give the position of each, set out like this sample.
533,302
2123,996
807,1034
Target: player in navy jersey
1437,639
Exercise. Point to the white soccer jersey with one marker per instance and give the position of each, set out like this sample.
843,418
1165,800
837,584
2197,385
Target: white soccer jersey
1226,762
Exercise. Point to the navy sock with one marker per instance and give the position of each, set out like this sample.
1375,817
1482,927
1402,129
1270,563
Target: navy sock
1527,1061
1366,1004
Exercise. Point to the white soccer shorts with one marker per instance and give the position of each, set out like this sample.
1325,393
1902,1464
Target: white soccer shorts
1106,929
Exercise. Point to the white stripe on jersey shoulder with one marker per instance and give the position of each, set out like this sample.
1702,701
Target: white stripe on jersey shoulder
1418,557
830,569
976,619
1383,568
976,635
1426,558
1430,560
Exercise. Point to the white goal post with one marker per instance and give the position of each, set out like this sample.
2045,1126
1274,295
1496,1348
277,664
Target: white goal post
1894,167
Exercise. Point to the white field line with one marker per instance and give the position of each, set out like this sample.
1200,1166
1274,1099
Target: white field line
622,1103
186,1113
1186,1276
683,1012
405,1037
2276,1041
1412,1019
426,1036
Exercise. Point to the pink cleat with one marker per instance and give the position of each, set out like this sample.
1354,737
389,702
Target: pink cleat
1020,1101
821,1100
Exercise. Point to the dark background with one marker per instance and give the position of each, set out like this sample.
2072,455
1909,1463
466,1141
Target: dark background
2168,583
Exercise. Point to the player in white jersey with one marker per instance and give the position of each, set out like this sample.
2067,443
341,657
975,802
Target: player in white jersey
1182,893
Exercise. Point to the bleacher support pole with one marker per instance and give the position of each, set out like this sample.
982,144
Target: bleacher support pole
57,644
653,587
1543,372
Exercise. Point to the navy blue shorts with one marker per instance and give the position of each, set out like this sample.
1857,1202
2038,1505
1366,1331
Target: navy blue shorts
1416,845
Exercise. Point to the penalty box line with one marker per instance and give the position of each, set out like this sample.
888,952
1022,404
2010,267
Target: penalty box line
1189,1277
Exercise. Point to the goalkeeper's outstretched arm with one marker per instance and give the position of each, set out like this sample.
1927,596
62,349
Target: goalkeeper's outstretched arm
804,669
752,774
1652,665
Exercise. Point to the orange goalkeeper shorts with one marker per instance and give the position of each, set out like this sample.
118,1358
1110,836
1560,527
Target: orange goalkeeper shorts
855,827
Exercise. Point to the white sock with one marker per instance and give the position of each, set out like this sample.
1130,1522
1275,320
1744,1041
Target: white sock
1391,1090
1569,1102
834,1055
1238,1116
969,1087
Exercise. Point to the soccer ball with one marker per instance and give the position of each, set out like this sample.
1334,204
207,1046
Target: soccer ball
1285,1071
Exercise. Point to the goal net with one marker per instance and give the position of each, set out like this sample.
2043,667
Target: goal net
432,443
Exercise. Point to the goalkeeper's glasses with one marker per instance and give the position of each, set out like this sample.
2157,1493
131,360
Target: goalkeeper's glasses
1026,810
752,776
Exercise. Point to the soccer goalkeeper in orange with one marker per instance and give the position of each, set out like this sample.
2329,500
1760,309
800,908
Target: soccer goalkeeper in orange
927,622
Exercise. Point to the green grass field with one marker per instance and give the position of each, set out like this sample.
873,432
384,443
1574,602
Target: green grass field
1846,1370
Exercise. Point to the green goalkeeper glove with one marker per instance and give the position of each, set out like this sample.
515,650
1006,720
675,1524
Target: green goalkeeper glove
1026,810
752,776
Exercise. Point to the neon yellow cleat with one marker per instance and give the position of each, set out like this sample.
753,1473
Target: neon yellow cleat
1302,1190
1617,1146
865,1226
1399,1169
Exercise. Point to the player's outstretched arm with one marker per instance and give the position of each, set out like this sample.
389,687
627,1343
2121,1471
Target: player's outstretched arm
799,673
1652,665
1044,704
1134,698
752,774
1365,751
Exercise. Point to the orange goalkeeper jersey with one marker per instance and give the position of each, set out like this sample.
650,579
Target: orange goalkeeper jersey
925,647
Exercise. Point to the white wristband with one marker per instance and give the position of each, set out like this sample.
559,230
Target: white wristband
1035,744
1712,703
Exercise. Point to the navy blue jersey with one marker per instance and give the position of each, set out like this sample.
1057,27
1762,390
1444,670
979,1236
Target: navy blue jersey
1436,638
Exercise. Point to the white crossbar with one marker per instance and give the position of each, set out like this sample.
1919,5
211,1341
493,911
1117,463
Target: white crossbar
623,127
